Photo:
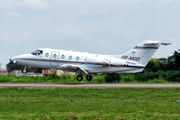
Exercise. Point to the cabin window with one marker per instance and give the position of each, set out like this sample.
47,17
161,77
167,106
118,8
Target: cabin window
77,58
62,57
47,54
70,57
54,56
37,52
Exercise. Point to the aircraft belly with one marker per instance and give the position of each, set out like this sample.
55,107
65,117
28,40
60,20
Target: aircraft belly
116,69
92,68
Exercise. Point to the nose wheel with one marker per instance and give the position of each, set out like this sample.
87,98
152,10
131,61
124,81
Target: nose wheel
24,70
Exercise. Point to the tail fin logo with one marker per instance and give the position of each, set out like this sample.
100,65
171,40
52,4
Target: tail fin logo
125,57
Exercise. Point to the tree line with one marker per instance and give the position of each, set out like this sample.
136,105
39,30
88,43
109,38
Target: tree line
165,64
14,66
167,69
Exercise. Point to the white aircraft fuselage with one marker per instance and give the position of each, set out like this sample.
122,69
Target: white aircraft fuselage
133,61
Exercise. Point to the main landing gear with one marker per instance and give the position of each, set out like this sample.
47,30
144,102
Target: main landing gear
80,78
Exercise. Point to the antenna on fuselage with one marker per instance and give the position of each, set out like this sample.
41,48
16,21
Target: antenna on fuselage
71,49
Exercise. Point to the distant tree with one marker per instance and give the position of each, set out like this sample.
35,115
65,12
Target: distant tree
162,63
171,58
177,59
152,66
38,70
112,77
171,63
162,60
14,66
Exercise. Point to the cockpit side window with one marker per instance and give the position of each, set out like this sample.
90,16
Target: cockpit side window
37,52
34,52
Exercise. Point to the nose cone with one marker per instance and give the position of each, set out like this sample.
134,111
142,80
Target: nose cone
13,59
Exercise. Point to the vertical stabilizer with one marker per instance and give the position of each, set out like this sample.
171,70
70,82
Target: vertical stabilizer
143,52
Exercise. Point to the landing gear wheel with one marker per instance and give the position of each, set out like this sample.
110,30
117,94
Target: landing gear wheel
24,71
79,78
89,77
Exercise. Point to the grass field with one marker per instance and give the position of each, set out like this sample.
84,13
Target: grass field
66,78
89,104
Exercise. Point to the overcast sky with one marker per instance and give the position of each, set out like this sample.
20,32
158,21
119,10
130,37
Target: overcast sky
94,26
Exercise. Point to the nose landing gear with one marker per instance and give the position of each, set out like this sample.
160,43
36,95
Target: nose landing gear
24,70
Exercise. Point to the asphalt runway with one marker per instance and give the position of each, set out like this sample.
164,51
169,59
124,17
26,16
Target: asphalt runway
74,85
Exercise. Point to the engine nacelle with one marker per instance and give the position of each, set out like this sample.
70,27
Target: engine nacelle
98,60
106,63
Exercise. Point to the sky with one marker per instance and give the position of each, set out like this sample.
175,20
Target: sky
93,26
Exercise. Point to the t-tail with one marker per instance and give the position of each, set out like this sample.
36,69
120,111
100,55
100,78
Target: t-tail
142,53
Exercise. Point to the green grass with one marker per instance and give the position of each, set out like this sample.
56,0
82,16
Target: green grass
66,78
89,104
157,81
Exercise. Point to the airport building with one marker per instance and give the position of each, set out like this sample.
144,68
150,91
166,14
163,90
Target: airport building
3,72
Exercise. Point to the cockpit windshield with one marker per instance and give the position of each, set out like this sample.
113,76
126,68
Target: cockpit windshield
37,52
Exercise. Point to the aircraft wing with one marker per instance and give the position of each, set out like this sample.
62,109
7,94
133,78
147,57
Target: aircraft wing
76,67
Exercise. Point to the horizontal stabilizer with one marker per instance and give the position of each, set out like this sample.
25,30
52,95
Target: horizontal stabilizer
166,43
151,43
142,53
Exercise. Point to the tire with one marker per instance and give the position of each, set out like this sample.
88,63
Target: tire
79,78
89,77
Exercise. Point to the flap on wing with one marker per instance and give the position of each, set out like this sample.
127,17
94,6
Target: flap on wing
70,66
75,67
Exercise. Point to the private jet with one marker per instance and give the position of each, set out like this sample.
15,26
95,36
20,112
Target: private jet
132,61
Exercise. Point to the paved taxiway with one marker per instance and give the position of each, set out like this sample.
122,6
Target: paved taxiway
74,85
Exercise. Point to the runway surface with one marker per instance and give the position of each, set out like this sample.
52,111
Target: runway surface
74,85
